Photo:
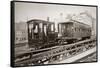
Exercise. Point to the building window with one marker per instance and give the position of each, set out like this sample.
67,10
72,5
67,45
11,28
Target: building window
24,38
16,38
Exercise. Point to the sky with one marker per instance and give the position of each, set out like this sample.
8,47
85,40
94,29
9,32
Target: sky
26,11
56,13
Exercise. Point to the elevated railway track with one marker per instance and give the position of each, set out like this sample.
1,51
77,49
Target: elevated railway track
77,57
55,53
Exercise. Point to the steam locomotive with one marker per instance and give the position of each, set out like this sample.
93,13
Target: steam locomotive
41,34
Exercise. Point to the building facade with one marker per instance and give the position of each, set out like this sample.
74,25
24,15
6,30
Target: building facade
21,33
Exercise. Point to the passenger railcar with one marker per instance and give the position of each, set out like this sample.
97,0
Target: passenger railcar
73,30
40,33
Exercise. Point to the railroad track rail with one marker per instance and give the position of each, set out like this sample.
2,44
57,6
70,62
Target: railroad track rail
55,53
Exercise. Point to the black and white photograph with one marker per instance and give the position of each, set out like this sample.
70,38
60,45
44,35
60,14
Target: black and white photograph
53,33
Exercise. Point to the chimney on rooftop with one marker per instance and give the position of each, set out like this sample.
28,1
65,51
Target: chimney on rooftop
48,18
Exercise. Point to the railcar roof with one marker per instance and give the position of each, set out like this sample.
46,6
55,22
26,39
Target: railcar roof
68,22
81,23
72,21
39,21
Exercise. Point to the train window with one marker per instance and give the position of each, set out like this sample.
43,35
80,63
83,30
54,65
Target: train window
30,27
36,29
40,25
63,28
59,28
52,29
45,30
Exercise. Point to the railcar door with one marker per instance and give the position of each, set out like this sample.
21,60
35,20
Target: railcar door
33,33
51,32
